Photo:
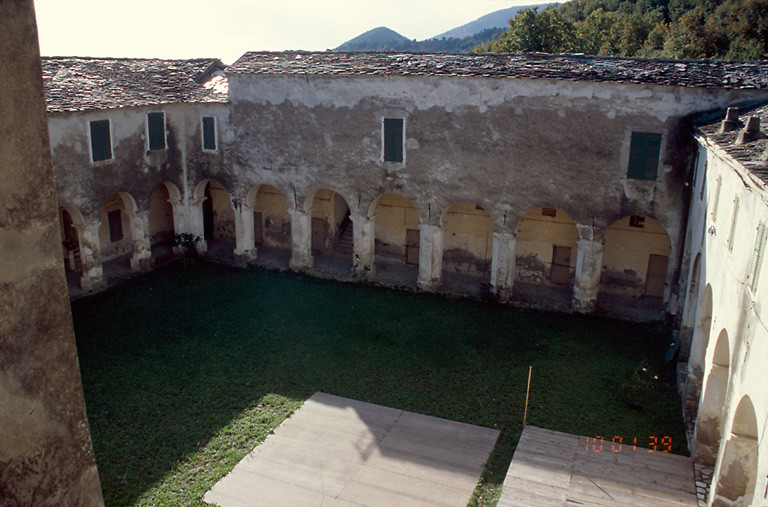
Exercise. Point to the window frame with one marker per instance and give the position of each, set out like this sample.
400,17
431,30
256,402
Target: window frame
756,260
89,129
115,227
384,138
215,134
165,133
734,222
628,165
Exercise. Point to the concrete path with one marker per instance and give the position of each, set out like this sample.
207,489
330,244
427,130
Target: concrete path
552,468
341,452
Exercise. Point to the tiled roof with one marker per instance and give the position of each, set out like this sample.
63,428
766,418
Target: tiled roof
80,84
752,154
688,73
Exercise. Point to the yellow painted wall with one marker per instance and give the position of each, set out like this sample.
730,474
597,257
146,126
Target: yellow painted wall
393,215
625,256
111,250
467,239
160,216
333,208
223,214
276,221
536,236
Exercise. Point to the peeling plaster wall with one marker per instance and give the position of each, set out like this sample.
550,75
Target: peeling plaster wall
737,310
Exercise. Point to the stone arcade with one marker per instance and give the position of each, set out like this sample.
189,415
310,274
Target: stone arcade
579,183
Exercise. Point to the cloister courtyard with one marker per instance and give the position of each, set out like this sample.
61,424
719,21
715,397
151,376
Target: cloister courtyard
186,369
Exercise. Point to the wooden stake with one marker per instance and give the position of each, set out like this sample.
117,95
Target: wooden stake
527,392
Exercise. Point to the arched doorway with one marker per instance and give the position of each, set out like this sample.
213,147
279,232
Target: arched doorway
635,257
271,225
397,239
218,220
710,419
161,219
116,235
331,233
738,467
467,247
70,241
547,240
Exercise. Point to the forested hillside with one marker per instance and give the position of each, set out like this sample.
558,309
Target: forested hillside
717,29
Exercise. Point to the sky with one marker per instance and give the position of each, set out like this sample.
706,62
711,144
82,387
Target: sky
226,29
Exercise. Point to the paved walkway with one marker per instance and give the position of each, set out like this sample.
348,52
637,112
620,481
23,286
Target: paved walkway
336,451
552,468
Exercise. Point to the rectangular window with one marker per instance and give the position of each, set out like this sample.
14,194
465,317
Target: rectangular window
644,154
156,130
393,139
756,261
115,219
716,200
548,212
101,142
637,221
734,217
209,133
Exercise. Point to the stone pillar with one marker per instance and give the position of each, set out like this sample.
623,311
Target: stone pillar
92,278
46,456
430,257
301,240
589,266
363,241
503,264
245,249
195,223
141,258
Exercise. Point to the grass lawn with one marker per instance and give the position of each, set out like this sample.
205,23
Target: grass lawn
185,372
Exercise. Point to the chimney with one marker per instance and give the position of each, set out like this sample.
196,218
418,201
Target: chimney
731,121
751,131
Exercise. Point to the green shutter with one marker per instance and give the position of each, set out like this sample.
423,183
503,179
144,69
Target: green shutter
101,147
156,127
209,133
644,153
393,139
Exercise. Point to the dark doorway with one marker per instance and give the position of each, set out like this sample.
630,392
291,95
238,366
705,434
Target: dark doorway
561,264
319,231
258,232
656,275
412,238
208,213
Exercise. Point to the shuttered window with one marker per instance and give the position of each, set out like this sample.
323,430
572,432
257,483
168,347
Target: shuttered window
734,217
209,133
156,130
115,219
393,139
756,261
101,143
644,153
716,200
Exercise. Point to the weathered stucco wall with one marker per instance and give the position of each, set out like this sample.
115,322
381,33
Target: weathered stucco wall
46,456
537,235
726,368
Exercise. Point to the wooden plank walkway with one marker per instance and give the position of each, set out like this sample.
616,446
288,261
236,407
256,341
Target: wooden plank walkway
552,468
336,451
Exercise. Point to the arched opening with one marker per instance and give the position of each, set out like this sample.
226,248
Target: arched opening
710,419
271,225
70,230
467,248
738,467
547,240
635,262
115,235
218,221
161,221
331,233
397,240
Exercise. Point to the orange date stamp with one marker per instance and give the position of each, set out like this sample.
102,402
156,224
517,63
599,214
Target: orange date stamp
617,444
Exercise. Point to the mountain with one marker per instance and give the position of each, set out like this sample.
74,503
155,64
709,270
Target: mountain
497,19
378,39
